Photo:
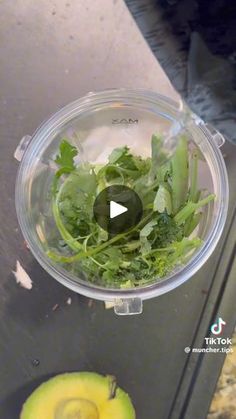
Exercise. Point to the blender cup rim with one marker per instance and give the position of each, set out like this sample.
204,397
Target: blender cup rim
106,97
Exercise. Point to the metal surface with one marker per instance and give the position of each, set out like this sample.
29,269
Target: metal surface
51,53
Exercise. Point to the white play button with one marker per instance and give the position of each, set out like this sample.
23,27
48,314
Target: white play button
116,209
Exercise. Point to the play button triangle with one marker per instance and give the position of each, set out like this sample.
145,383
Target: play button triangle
116,209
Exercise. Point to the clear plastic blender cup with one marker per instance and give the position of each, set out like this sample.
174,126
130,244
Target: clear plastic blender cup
96,124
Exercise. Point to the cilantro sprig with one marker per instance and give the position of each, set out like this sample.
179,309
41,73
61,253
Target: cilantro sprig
66,155
162,240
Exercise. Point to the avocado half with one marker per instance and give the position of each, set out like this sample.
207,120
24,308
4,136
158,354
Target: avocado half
78,395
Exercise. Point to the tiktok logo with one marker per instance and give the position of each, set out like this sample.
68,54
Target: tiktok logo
216,328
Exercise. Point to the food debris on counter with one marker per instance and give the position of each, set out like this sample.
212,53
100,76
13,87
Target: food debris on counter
35,362
204,292
55,307
22,278
69,301
26,245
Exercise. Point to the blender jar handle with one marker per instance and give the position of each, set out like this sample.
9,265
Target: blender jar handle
22,146
217,136
128,306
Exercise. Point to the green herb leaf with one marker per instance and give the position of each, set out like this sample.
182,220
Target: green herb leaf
162,201
118,153
148,228
66,156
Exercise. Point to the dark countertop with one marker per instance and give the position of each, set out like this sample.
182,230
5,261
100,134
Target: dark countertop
42,68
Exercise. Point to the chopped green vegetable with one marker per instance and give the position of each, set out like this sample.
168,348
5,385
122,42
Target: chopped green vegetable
193,192
179,181
157,244
162,201
190,208
191,223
